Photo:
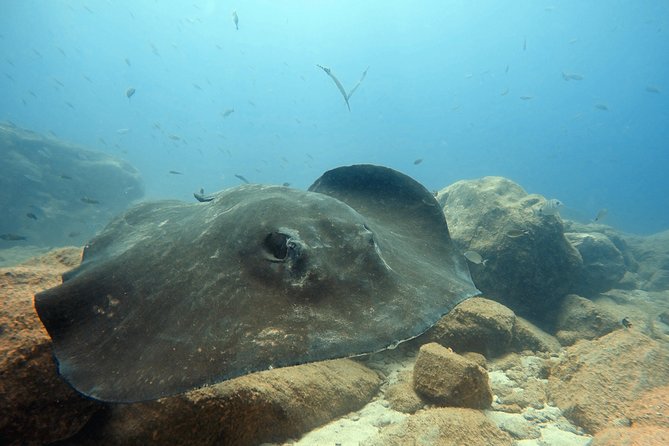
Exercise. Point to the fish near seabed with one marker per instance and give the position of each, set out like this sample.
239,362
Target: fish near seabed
129,92
550,207
235,20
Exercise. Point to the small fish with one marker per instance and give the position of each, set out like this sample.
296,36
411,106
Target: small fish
626,322
65,177
550,207
505,92
175,172
242,178
88,200
127,62
475,258
602,107
571,77
235,20
601,215
73,234
13,237
31,215
201,197
362,78
129,92
286,184
122,131
228,112
652,89
340,87
526,98
418,161
174,137
515,233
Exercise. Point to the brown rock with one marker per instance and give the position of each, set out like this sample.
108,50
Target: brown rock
650,409
447,426
596,381
634,436
484,326
38,407
402,396
262,407
448,379
527,336
580,318
476,325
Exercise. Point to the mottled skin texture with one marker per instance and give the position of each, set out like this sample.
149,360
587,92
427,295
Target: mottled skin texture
172,296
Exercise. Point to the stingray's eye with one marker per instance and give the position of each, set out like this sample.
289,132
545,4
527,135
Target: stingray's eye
281,247
276,245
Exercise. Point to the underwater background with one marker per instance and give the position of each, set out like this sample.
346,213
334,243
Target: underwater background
569,99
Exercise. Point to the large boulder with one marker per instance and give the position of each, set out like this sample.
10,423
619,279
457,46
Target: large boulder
37,407
597,381
53,193
487,327
528,263
603,263
270,406
652,253
580,318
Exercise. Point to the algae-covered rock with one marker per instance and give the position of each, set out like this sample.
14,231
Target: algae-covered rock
448,379
56,193
528,263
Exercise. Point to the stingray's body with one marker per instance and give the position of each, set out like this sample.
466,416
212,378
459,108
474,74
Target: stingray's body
172,295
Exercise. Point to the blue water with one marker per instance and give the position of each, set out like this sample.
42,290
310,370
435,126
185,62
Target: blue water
434,91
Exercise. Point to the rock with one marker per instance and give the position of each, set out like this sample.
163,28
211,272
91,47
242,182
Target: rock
448,379
38,407
580,318
270,406
443,427
402,396
642,436
527,336
484,326
70,192
476,325
596,381
526,271
650,409
515,424
652,254
519,382
603,263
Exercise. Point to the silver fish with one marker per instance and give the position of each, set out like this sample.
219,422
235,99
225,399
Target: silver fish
362,78
475,258
571,76
601,215
550,207
235,19
337,83
515,233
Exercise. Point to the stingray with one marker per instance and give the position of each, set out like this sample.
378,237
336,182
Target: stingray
172,296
